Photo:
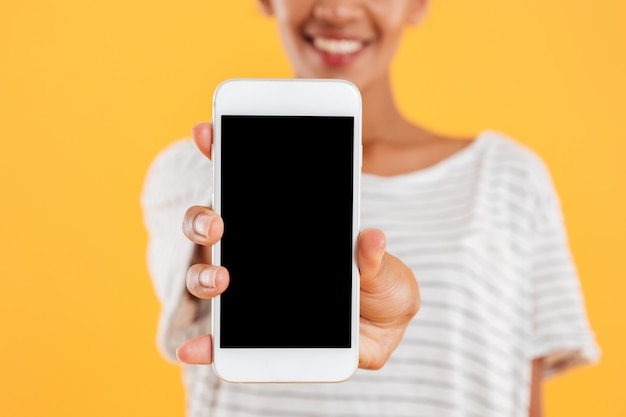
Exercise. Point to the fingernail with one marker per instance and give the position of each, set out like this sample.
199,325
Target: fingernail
207,278
201,224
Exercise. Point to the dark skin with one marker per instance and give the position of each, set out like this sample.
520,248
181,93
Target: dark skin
392,145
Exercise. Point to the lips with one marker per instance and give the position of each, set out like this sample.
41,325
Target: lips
337,51
337,46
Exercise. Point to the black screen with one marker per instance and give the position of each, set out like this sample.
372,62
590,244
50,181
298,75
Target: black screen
287,196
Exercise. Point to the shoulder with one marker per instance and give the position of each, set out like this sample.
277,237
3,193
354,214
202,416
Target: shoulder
511,171
177,170
498,145
508,156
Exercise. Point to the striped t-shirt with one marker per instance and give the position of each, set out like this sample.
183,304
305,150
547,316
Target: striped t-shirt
484,234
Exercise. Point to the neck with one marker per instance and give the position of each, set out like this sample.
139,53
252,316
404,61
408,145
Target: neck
381,116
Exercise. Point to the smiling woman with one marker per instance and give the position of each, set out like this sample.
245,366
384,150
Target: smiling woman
475,222
329,40
91,91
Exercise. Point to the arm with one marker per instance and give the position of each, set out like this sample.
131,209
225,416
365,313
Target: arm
536,389
176,179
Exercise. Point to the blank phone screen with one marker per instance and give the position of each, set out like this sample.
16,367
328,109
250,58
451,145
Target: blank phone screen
287,204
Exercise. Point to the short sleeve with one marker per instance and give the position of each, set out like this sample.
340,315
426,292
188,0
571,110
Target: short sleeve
561,330
179,177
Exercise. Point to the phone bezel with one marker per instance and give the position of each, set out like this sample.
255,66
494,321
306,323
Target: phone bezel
287,97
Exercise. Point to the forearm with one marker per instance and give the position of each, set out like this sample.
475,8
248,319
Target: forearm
536,389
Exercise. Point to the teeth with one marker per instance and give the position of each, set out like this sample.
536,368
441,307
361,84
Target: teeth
337,46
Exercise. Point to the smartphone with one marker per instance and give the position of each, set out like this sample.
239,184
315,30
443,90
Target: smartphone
286,181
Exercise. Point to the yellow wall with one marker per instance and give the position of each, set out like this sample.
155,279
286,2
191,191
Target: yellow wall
90,91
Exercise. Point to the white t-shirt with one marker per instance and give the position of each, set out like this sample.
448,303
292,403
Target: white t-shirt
483,232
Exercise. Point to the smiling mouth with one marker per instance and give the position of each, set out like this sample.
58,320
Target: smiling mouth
337,46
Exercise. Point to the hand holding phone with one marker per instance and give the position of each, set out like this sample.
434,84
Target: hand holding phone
287,151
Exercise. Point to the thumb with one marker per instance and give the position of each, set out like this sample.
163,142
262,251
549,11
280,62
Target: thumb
370,251
389,290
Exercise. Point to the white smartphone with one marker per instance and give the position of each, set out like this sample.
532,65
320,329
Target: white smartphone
286,181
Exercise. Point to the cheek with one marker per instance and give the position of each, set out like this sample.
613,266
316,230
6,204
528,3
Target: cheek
291,41
289,23
389,42
291,14
391,13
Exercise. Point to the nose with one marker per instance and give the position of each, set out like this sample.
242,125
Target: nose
338,11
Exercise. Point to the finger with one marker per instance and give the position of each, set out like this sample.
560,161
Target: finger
207,281
203,137
370,251
202,226
198,351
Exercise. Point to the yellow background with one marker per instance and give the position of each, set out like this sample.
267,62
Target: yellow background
90,91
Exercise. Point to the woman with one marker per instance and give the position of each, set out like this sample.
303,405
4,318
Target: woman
475,220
